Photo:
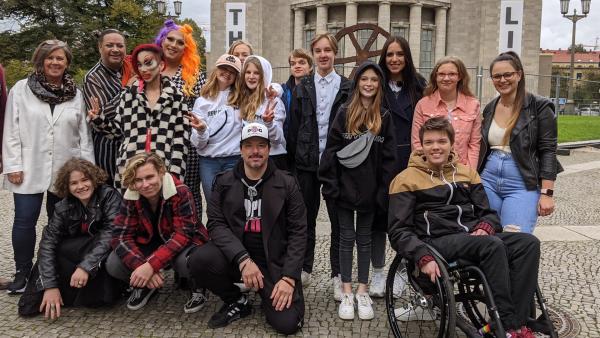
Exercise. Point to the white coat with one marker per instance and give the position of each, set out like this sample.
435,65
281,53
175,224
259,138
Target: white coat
38,142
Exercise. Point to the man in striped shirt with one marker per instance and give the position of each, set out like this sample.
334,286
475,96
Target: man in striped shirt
103,83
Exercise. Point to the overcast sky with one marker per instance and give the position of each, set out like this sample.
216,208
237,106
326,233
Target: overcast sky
556,31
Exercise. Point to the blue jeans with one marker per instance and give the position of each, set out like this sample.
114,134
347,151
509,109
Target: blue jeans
210,167
27,212
507,193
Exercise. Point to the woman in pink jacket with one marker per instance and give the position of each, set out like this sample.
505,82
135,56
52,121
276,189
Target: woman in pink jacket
448,94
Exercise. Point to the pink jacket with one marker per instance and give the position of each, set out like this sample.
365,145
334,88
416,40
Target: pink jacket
466,120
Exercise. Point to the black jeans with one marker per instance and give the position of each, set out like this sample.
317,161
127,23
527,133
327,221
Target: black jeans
117,269
334,244
361,235
510,262
27,212
311,193
211,270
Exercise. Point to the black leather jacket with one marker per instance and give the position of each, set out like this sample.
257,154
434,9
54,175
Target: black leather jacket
69,213
303,142
532,141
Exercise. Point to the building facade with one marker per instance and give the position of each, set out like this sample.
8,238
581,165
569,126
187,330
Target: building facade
474,30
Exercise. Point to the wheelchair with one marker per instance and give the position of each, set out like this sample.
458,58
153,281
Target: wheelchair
458,304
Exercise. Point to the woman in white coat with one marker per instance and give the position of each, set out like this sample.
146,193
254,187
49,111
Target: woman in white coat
45,125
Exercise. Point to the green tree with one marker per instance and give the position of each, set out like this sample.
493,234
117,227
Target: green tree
578,48
74,21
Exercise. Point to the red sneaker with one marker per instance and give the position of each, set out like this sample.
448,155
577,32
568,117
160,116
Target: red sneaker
526,333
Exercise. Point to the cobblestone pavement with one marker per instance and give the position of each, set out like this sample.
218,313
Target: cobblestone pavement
569,275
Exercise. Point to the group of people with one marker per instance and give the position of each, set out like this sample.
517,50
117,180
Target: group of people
122,164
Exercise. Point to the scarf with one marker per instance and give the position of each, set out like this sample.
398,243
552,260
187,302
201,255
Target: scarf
50,93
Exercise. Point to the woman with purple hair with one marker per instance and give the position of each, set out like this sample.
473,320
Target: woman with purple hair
182,65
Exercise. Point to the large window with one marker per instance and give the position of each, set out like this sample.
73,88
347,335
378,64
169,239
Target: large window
427,52
400,30
309,34
363,36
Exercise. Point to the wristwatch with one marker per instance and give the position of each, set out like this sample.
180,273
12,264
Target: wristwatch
547,192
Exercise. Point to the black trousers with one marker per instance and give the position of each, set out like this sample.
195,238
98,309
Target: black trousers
510,262
211,270
310,187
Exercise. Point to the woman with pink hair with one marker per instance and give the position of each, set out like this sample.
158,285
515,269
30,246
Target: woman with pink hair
182,66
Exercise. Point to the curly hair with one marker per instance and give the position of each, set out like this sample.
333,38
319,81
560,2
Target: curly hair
87,168
190,61
139,160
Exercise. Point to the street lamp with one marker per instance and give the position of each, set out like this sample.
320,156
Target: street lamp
564,9
161,8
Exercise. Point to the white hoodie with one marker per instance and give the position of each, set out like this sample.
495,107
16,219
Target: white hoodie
275,127
221,138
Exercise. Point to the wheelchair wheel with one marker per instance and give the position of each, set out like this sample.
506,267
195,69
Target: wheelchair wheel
419,308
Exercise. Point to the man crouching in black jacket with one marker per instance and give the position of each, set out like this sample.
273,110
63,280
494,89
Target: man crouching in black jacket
439,202
257,225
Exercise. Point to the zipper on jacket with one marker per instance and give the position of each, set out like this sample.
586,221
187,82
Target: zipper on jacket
458,218
451,189
533,166
427,221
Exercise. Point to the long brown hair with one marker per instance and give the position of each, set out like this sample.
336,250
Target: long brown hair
463,84
357,116
248,101
514,60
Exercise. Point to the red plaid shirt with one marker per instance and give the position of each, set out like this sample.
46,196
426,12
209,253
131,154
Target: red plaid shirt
177,226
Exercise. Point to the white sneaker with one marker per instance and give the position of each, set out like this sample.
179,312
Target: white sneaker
346,309
364,305
337,288
306,278
410,313
400,282
377,287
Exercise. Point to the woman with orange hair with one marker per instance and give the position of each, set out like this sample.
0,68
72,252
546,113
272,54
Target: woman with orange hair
183,67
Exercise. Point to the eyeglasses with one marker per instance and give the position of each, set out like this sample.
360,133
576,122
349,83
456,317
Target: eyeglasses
507,76
451,76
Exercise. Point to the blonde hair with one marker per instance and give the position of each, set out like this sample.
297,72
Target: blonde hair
242,97
139,160
237,43
332,42
357,117
463,84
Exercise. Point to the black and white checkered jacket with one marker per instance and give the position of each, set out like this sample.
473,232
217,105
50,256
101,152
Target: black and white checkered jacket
169,129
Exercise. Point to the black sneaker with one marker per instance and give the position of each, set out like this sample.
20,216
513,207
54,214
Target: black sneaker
196,301
139,298
229,313
18,284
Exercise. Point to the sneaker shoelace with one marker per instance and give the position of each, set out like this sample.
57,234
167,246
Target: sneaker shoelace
364,300
347,299
196,297
135,294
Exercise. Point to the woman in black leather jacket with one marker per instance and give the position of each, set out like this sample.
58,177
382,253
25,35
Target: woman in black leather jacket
75,243
517,160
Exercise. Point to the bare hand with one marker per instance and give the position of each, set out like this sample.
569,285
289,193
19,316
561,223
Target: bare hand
432,270
251,275
51,303
131,80
94,111
156,281
545,205
15,178
79,278
141,276
282,295
271,92
479,232
195,122
269,113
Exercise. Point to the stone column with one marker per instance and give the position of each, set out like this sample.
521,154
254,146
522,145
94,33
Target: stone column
351,20
440,32
414,34
321,19
298,27
383,21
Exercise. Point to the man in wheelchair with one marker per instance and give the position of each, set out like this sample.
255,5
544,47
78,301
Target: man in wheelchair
439,202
